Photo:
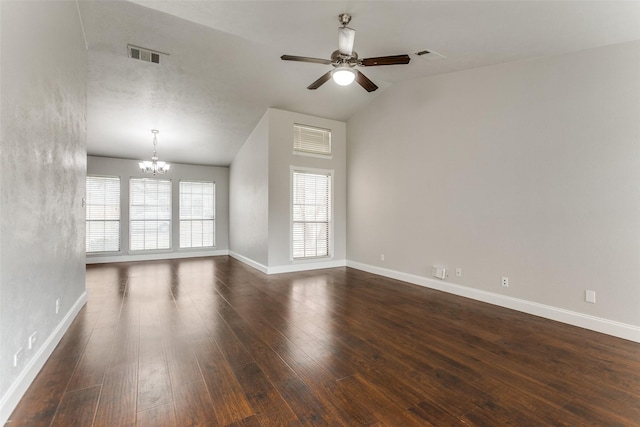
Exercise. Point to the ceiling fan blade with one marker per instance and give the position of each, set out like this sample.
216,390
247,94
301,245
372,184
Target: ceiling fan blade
346,37
322,80
386,60
364,81
305,59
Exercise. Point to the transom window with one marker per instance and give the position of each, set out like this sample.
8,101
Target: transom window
309,140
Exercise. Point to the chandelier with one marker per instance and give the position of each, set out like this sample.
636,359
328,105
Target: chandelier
154,166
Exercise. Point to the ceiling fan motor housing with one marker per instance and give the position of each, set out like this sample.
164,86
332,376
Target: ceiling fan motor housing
338,59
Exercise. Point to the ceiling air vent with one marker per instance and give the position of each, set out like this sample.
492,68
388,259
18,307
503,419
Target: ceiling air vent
144,54
429,55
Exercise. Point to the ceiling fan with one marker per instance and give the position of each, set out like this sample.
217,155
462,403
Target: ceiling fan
345,59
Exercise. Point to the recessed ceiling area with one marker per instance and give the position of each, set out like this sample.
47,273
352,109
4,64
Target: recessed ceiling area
223,68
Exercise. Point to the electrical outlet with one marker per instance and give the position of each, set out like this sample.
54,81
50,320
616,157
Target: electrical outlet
590,296
58,306
32,340
505,281
17,356
381,257
458,272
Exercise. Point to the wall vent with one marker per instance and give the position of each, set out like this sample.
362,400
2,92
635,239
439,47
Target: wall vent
144,54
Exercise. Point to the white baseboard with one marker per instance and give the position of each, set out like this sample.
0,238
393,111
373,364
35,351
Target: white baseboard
305,266
153,256
289,268
598,324
19,387
243,259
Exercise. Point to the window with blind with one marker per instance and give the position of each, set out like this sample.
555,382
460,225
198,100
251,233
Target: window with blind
311,214
308,140
149,214
103,214
197,214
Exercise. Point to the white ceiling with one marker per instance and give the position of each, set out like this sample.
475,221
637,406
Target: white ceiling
224,69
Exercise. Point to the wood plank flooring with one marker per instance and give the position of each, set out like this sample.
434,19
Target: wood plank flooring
212,342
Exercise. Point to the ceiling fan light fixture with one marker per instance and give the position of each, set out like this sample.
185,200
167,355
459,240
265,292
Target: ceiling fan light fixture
343,76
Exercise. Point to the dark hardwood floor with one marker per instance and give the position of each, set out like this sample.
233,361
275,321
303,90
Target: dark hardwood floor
212,342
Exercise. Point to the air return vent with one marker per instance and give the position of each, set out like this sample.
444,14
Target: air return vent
144,54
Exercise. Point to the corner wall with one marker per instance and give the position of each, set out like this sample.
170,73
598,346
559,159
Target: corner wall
249,199
529,170
281,158
42,182
260,193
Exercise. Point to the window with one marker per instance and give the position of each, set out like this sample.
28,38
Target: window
311,141
103,214
150,214
311,214
197,214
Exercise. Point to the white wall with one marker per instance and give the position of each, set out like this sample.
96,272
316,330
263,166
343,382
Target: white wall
529,170
42,179
127,169
261,193
249,198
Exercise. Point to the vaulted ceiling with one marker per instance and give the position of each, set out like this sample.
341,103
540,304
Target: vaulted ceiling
223,69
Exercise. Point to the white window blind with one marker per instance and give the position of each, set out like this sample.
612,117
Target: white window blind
311,140
311,214
103,214
197,214
149,214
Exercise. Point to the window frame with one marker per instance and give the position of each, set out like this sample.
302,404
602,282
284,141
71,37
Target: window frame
330,234
119,209
131,220
320,155
180,220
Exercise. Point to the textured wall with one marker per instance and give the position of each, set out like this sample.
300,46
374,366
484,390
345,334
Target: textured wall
42,174
249,196
529,170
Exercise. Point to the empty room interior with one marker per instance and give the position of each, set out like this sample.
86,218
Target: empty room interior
341,213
